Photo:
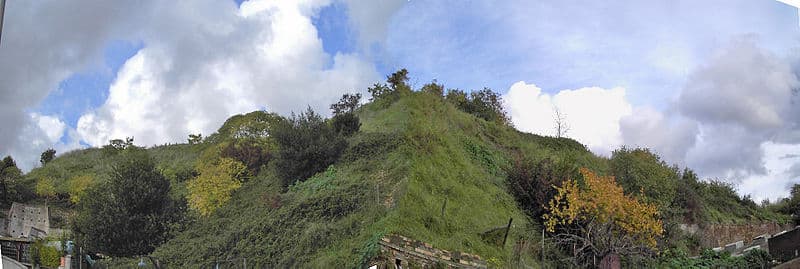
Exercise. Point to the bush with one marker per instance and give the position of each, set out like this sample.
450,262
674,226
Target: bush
253,153
639,170
532,183
485,104
346,124
129,214
307,145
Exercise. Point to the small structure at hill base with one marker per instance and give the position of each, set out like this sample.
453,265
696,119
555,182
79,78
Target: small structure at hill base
26,221
397,251
785,245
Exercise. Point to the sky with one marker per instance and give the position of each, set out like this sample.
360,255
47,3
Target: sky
711,85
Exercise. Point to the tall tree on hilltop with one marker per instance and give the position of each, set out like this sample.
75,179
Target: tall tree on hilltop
47,156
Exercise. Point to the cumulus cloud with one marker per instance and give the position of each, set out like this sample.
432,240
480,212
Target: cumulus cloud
670,137
38,134
736,118
201,62
742,98
43,43
190,78
592,114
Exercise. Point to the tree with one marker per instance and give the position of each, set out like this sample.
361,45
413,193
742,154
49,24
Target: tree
485,104
378,91
253,153
526,179
47,156
46,188
791,205
398,80
596,219
641,170
346,124
9,174
347,104
215,184
397,86
78,186
307,145
560,120
195,139
433,88
129,214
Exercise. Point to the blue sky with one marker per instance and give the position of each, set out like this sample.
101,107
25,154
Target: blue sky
685,78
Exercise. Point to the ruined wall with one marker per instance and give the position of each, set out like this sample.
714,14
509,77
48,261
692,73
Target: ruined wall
21,218
716,235
410,253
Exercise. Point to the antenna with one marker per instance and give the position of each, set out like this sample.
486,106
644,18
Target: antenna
794,3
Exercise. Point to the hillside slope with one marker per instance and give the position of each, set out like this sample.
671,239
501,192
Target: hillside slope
419,167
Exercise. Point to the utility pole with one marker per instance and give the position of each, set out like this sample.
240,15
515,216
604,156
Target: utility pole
2,12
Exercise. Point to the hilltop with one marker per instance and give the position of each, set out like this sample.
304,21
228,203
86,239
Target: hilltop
443,169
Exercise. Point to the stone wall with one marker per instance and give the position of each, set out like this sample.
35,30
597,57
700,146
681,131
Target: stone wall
22,219
408,253
718,235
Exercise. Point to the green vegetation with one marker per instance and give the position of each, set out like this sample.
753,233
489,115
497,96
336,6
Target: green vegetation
131,213
444,167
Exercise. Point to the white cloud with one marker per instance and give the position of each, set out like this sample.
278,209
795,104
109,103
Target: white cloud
669,136
164,93
52,127
779,176
593,114
371,20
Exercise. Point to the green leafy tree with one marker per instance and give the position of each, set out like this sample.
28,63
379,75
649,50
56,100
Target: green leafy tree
485,104
307,145
253,153
346,124
9,174
78,186
433,88
129,214
347,104
45,187
639,170
397,86
215,184
398,80
791,205
195,139
47,156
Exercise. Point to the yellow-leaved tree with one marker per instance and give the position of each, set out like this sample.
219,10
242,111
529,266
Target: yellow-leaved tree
597,220
46,188
215,184
78,186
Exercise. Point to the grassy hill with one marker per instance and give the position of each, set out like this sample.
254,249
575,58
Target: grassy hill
419,167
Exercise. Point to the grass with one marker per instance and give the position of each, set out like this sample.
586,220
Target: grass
419,167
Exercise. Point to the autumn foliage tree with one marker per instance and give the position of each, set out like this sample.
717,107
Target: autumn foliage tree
215,184
596,219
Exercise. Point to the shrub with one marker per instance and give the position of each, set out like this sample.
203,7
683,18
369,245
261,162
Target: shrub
485,104
307,145
253,153
533,183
